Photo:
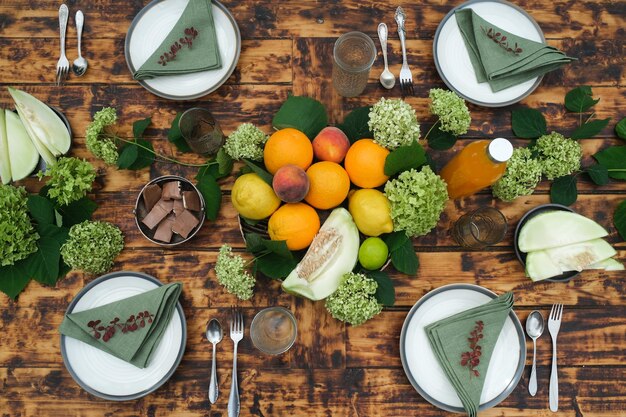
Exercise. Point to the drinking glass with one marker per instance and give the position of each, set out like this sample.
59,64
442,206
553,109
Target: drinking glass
481,228
201,131
354,54
273,330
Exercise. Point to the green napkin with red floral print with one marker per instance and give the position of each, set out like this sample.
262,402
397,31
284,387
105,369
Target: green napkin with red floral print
463,344
129,329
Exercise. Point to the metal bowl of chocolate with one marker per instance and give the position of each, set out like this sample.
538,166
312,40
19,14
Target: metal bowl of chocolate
169,210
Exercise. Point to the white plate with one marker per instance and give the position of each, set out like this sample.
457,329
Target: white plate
105,375
453,62
421,366
152,25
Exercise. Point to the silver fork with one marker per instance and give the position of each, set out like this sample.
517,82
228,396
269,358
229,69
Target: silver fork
63,65
236,333
406,79
554,324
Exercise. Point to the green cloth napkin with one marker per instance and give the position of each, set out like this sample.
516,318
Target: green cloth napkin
145,317
451,342
204,53
491,60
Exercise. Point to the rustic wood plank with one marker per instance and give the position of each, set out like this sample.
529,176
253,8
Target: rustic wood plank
349,392
588,336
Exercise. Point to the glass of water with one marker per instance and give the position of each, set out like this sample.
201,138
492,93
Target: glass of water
354,55
481,228
201,131
273,330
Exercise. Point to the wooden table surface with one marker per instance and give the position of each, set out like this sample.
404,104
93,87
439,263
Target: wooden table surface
333,369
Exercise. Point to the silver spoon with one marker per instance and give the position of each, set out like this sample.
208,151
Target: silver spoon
387,79
214,335
79,66
534,328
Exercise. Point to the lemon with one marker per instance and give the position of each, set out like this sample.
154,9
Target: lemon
371,212
253,198
373,253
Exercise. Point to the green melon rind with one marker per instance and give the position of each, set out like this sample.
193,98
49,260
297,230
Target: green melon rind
22,153
609,264
539,266
5,163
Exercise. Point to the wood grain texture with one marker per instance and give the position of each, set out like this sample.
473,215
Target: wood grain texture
333,369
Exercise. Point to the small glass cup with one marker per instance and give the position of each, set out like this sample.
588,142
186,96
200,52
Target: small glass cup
481,228
201,131
354,54
273,330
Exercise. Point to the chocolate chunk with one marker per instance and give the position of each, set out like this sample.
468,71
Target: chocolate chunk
151,195
185,223
171,191
160,210
191,200
179,207
164,231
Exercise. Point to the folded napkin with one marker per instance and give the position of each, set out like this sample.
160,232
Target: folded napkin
463,344
195,25
501,58
129,329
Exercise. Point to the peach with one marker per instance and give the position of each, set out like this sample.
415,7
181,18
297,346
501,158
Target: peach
291,184
331,144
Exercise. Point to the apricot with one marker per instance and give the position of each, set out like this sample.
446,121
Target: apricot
331,144
291,184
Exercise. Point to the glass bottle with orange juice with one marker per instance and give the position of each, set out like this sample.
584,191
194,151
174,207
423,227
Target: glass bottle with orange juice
479,165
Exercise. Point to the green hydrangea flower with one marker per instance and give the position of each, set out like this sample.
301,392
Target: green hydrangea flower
452,111
558,155
522,175
354,301
231,273
17,236
393,123
98,144
417,200
92,246
70,180
246,142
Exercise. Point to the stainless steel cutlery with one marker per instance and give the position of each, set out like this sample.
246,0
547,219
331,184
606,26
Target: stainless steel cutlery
406,79
387,79
236,333
63,65
214,334
79,66
534,329
554,324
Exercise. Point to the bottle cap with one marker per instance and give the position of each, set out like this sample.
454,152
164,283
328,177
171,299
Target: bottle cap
500,150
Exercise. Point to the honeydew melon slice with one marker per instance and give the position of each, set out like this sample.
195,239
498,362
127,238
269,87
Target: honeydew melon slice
577,256
42,123
22,152
5,163
539,266
556,229
609,264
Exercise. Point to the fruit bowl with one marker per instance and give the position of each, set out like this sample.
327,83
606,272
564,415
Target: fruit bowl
521,256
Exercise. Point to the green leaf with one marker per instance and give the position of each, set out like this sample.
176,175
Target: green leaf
58,234
41,209
405,158
43,265
385,293
404,258
63,269
528,123
212,194
355,125
613,159
254,243
440,140
563,190
598,174
395,240
211,169
303,113
140,126
275,266
128,156
265,176
279,247
175,136
145,157
14,278
590,129
224,162
619,219
580,99
620,129
77,211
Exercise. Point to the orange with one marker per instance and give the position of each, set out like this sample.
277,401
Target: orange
329,185
296,223
287,146
365,163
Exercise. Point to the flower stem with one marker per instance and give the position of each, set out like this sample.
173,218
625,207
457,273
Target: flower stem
431,128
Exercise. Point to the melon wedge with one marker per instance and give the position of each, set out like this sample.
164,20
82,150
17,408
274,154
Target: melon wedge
609,264
557,228
22,153
539,266
577,256
42,123
5,163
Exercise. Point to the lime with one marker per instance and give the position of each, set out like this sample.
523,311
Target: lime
373,253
